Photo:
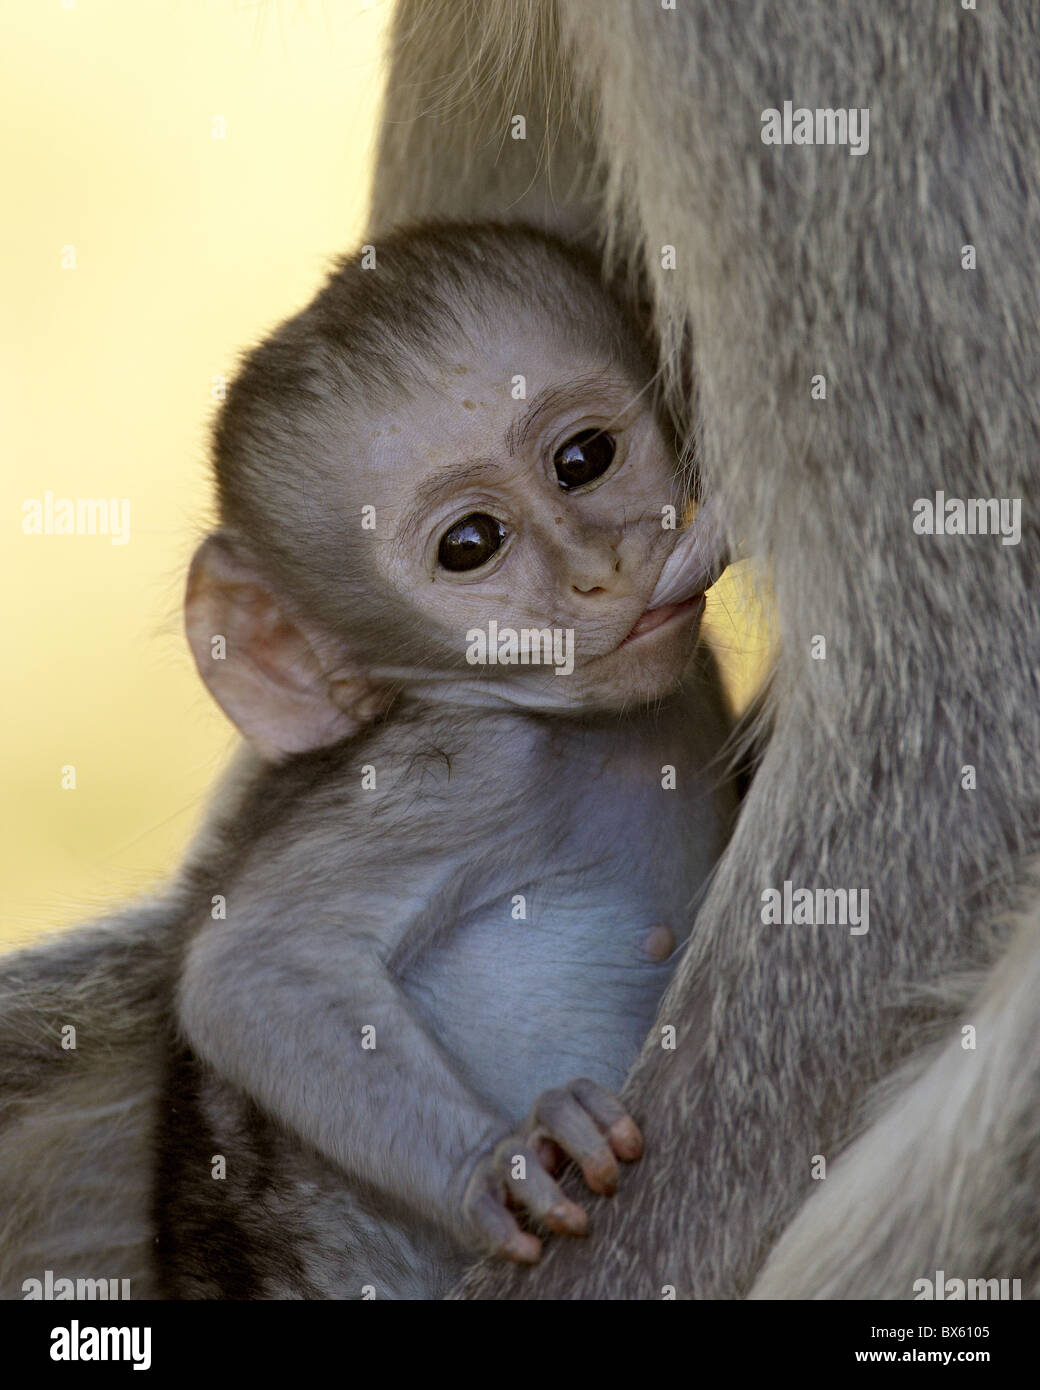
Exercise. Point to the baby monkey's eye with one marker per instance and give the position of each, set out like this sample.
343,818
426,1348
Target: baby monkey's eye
583,458
471,542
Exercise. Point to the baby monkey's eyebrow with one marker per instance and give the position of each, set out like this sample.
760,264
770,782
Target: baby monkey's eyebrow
599,388
456,477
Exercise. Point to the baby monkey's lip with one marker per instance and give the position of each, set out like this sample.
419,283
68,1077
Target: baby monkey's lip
654,618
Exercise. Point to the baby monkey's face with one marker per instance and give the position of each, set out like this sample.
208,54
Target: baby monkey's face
534,513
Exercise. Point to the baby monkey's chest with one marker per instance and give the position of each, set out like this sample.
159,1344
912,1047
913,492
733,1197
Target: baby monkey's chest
556,967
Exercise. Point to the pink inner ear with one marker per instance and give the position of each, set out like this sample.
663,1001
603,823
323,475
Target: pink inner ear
280,649
272,684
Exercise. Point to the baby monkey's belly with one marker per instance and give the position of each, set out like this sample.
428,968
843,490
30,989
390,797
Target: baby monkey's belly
571,990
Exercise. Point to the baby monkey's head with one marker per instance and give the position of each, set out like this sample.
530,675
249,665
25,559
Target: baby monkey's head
446,477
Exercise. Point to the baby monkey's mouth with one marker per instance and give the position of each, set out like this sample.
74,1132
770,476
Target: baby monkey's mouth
654,618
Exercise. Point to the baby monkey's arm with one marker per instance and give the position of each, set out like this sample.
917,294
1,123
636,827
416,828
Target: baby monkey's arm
334,1052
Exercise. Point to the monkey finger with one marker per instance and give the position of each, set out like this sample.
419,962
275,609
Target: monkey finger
622,1131
529,1185
500,1231
560,1113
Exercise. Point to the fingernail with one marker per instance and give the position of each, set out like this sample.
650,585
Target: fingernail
625,1135
570,1216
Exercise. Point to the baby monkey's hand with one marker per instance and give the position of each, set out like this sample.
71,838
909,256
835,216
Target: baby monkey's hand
579,1121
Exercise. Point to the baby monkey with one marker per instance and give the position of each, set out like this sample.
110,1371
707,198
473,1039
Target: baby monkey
435,932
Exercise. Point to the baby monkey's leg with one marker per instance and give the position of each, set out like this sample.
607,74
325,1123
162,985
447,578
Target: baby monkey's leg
579,1121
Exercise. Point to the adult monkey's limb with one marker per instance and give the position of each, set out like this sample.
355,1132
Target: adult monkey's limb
451,145
947,1175
792,263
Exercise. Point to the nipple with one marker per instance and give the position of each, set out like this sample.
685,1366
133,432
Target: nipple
659,942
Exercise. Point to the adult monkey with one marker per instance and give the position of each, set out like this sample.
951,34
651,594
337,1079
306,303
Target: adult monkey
644,126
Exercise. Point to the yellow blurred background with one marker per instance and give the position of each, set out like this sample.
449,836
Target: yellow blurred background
201,161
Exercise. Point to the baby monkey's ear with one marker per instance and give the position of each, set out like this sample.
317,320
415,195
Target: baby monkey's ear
288,687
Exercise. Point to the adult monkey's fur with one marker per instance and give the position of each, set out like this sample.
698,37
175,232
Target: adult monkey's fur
789,262
77,1127
792,262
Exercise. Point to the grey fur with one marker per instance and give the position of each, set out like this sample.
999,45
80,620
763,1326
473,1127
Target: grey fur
955,1145
77,1126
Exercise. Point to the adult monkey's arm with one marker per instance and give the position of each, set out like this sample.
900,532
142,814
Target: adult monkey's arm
791,264
957,1147
451,146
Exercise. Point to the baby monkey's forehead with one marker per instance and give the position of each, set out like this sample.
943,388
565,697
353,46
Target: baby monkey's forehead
520,393
496,394
469,412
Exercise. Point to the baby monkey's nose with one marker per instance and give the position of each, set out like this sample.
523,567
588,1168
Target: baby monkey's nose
595,570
